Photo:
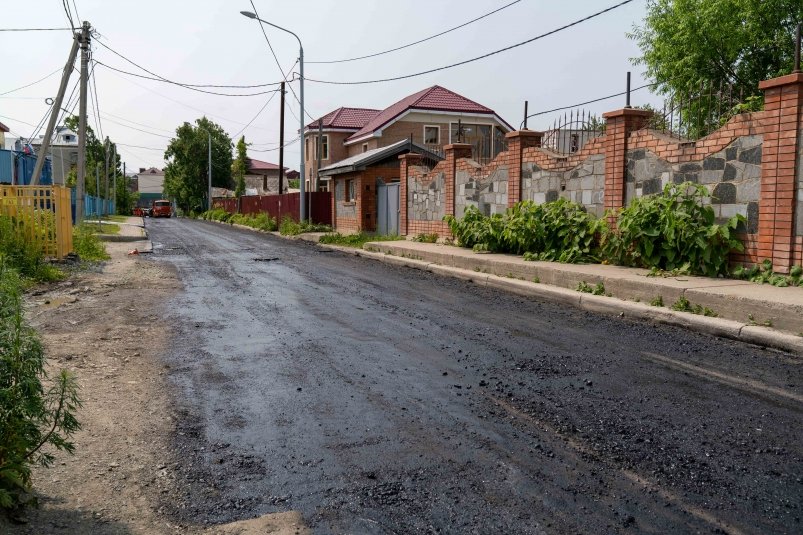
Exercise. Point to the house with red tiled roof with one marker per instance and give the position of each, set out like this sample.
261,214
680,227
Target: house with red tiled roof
359,150
432,118
3,130
262,178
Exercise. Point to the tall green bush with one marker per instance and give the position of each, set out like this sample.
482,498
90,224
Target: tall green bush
674,230
34,418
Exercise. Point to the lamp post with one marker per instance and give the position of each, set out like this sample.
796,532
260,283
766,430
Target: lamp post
302,211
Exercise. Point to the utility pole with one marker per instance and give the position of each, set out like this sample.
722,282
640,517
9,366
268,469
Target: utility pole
114,176
54,111
209,193
97,190
281,143
106,188
106,169
79,188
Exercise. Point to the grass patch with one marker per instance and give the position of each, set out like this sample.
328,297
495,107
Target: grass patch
289,227
355,240
23,256
102,228
427,238
87,245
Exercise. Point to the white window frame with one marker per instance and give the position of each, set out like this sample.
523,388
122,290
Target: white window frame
350,196
424,138
325,147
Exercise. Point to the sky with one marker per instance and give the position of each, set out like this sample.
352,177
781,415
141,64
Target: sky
210,42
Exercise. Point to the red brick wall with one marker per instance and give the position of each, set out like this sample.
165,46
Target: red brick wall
365,193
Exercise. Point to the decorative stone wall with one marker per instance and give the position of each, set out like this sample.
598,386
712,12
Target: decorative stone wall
583,184
342,208
488,193
732,175
426,197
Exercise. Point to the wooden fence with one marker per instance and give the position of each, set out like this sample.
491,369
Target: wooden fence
42,214
281,206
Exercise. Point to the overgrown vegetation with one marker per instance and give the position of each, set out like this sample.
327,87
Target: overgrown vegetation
36,415
597,289
763,274
260,221
86,243
427,238
684,305
669,231
355,240
23,255
289,227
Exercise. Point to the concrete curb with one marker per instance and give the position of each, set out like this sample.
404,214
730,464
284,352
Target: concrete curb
121,238
725,328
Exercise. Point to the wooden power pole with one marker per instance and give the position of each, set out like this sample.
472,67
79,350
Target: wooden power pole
281,144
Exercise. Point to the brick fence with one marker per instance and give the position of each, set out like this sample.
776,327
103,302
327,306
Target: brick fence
753,166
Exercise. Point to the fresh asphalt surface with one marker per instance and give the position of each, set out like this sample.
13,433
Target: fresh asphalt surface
381,399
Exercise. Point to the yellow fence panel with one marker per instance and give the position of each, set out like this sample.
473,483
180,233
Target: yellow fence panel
43,214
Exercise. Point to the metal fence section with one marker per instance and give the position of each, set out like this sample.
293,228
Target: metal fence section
571,131
41,214
692,115
281,206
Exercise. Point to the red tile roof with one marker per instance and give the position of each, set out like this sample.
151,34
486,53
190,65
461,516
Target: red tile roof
3,128
346,118
435,98
259,165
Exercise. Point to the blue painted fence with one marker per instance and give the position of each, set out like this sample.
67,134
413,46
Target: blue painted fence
93,206
16,168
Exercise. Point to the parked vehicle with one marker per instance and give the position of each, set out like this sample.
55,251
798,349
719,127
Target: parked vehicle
161,208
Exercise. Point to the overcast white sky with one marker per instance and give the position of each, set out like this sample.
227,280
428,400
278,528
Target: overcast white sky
210,42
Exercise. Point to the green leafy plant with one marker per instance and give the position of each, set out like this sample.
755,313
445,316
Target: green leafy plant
763,273
22,254
674,230
34,417
657,302
682,304
355,240
427,238
87,245
584,287
288,227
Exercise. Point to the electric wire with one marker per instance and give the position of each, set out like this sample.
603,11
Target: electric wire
68,12
163,79
35,29
420,40
284,76
138,124
477,58
292,142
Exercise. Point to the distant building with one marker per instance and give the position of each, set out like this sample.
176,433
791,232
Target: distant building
263,178
63,151
150,184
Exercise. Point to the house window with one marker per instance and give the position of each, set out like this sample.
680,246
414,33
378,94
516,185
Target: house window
365,147
350,197
324,147
432,135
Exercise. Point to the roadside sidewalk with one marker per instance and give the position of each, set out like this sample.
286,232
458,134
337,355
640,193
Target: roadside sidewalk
131,230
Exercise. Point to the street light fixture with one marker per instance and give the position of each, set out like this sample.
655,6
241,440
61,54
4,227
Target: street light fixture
302,211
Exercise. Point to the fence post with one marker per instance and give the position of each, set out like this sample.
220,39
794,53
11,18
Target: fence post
618,126
452,153
780,223
406,161
517,142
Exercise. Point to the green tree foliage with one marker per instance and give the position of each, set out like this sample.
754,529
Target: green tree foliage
36,415
688,42
240,168
186,171
96,153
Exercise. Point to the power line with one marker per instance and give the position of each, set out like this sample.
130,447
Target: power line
17,121
277,148
163,79
77,15
139,124
139,129
589,101
293,91
139,146
34,29
33,83
68,12
489,54
420,40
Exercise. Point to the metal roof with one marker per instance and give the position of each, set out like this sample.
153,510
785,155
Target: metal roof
362,160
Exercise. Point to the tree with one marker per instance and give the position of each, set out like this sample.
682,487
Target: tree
186,156
96,152
240,168
686,43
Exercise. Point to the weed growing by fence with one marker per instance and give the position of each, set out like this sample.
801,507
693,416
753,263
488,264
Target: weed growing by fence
670,231
87,245
23,255
355,240
33,416
291,228
763,274
427,238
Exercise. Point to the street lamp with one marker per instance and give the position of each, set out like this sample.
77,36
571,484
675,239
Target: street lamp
302,211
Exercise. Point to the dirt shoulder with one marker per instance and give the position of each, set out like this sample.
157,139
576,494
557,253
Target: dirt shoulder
108,327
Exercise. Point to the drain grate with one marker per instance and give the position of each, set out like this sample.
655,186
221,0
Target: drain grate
273,259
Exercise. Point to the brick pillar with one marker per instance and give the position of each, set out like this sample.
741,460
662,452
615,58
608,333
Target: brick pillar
406,161
618,126
783,100
453,152
517,141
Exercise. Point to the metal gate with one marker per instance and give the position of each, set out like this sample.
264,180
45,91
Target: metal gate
387,208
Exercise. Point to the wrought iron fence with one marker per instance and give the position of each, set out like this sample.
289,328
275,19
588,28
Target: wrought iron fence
692,115
571,131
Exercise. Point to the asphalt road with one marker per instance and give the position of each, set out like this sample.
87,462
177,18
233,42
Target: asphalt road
379,399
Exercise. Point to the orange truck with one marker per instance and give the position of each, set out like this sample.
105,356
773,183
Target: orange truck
161,208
